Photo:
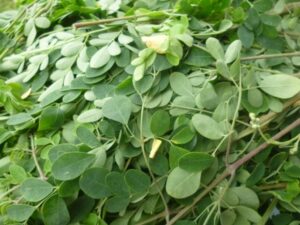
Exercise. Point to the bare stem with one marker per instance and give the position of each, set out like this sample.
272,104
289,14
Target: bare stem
9,191
231,170
270,56
268,212
291,6
267,118
272,186
36,162
105,21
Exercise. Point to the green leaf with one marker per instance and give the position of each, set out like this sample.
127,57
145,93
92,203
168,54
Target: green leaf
71,165
125,39
89,116
159,165
195,161
118,108
175,154
207,127
100,58
116,204
256,175
20,212
18,119
215,48
263,5
114,49
34,189
51,118
248,213
69,188
180,84
160,123
293,171
92,183
233,51
228,217
183,135
139,72
56,151
223,69
87,137
18,173
80,208
247,196
117,184
208,97
280,85
198,57
137,180
42,22
255,97
246,36
182,184
55,212
71,48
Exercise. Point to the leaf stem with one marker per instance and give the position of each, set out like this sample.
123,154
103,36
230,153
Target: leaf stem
167,211
267,187
231,170
270,56
9,191
37,165
235,117
110,20
268,212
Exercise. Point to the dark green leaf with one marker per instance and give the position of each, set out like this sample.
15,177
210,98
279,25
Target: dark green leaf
137,180
20,212
51,118
182,184
195,161
71,165
92,182
160,123
34,189
118,108
55,212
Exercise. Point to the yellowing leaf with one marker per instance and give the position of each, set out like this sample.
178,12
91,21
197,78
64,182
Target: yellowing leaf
159,43
155,146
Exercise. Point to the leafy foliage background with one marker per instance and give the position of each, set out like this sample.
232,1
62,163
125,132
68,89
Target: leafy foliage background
150,112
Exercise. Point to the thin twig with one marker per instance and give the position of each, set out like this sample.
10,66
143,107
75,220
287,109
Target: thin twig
231,170
267,187
105,21
9,191
267,118
270,56
36,162
291,6
268,212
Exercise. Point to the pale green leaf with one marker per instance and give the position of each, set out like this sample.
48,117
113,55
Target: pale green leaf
34,189
20,212
71,165
180,84
280,85
89,116
207,127
182,184
118,108
100,58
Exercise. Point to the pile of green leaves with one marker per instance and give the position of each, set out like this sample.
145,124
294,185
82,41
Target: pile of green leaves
134,120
